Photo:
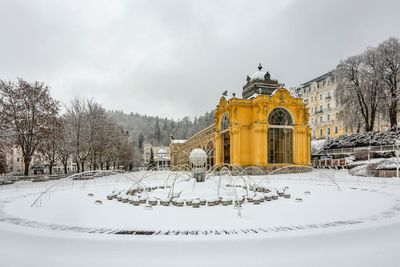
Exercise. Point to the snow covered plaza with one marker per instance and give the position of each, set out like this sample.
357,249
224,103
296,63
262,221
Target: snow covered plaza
321,217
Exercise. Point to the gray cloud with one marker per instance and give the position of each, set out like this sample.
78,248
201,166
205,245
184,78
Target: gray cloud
175,58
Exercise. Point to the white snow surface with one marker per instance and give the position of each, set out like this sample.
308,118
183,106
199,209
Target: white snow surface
372,204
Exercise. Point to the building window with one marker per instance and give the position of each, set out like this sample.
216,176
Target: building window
320,108
226,139
320,132
328,131
280,116
329,117
336,130
225,122
320,119
320,97
280,137
329,106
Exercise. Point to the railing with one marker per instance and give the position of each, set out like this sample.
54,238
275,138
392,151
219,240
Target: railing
383,148
329,163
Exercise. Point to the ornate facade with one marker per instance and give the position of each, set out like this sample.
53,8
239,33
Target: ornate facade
262,131
268,127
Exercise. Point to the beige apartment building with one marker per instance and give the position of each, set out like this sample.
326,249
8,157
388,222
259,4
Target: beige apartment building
319,96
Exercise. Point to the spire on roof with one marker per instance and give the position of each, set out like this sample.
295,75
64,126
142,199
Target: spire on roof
259,67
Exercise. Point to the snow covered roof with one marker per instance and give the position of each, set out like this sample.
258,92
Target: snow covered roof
162,151
317,145
258,75
177,141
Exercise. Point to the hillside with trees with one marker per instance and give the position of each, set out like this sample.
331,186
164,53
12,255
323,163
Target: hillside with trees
156,130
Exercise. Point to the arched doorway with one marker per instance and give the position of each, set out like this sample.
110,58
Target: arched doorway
280,136
225,139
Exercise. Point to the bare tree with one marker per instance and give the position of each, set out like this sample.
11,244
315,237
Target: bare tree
352,117
51,146
64,147
96,121
389,72
29,112
95,138
359,85
77,134
4,140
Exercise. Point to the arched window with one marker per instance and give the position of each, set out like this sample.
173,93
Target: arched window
225,122
280,136
225,139
280,116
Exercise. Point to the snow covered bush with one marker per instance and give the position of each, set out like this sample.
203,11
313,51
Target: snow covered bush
364,139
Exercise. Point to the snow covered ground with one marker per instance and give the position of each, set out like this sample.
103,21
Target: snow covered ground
357,225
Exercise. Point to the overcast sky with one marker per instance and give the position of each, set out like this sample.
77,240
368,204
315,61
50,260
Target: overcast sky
175,58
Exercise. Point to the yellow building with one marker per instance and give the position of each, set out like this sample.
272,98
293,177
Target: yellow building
268,127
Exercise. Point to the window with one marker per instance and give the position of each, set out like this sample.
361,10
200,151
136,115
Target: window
320,132
336,130
280,137
320,119
225,122
320,108
280,116
329,106
320,97
328,131
329,117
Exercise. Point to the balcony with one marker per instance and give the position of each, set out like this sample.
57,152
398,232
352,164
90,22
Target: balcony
318,111
328,97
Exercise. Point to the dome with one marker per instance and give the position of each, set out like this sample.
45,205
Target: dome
259,76
259,82
198,157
